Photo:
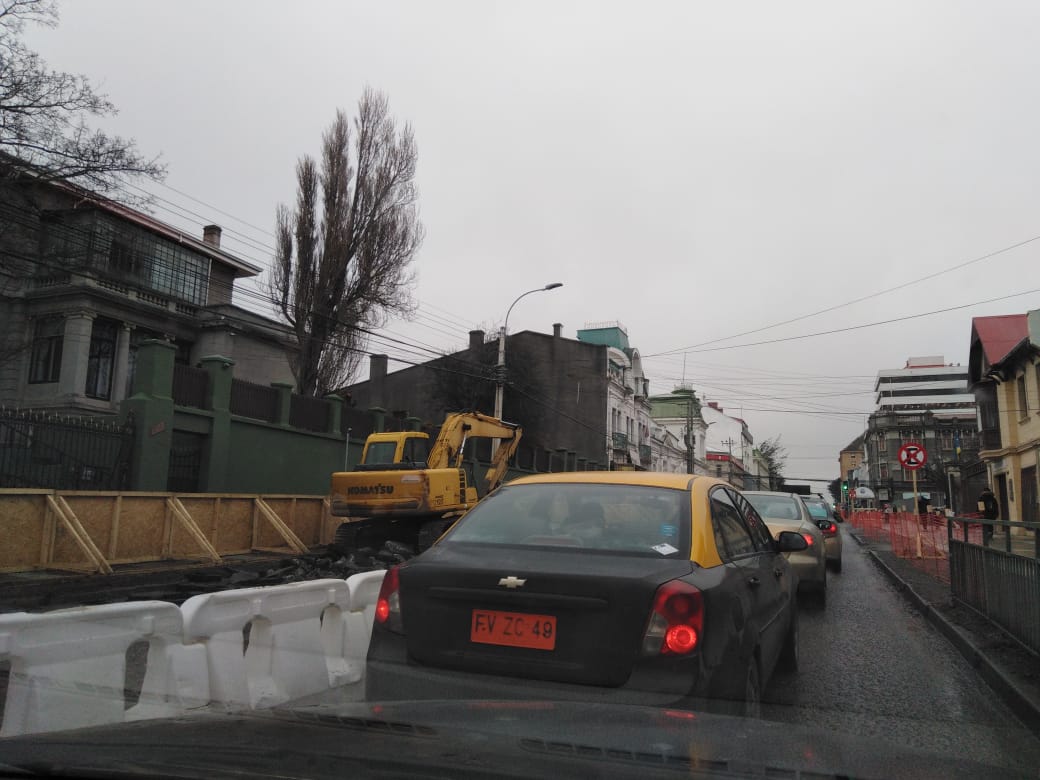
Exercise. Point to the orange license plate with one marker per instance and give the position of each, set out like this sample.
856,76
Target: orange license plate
513,629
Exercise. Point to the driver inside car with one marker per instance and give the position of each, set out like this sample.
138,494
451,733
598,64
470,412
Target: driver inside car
585,523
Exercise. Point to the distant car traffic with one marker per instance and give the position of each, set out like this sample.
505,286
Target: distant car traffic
786,512
823,514
656,588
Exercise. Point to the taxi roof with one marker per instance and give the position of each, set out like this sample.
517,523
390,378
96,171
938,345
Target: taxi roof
644,478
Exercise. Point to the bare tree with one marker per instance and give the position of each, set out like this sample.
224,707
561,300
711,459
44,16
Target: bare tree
342,255
834,488
44,113
775,455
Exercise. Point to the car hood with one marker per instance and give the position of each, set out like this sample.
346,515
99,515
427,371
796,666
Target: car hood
470,738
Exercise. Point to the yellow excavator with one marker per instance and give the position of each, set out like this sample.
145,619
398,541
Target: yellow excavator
401,493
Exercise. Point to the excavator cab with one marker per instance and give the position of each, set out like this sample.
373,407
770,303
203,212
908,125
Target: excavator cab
393,451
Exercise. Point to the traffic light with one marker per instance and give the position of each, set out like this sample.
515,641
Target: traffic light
844,486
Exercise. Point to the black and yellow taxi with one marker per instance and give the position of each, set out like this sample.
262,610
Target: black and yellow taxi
636,587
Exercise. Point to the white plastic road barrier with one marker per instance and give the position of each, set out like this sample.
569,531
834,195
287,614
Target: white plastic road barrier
264,646
68,667
364,590
176,680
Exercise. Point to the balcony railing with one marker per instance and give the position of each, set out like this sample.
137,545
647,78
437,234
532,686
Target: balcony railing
620,441
644,454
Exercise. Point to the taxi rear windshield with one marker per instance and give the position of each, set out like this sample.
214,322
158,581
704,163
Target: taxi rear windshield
629,519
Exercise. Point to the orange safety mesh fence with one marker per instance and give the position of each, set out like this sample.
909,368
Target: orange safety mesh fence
921,540
871,523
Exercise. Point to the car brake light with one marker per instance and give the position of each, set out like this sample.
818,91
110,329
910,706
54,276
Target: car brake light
388,604
808,539
832,529
676,621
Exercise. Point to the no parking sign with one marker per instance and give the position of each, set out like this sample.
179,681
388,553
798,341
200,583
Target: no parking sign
912,456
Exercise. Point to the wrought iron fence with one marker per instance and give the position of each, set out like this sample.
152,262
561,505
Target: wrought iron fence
311,414
190,386
39,449
249,399
185,464
1003,585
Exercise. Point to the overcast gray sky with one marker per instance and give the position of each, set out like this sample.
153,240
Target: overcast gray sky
695,170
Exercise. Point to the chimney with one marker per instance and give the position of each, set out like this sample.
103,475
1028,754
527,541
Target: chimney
557,330
211,235
376,380
476,340
376,367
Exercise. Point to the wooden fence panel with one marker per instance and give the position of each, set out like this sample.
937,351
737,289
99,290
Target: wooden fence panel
235,531
137,527
24,531
141,524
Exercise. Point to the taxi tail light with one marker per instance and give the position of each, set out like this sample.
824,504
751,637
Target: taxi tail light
388,604
676,620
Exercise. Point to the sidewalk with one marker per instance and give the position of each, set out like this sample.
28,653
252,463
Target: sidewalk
1011,670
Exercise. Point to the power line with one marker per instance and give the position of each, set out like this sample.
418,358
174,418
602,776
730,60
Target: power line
218,210
82,236
871,324
469,325
925,278
180,211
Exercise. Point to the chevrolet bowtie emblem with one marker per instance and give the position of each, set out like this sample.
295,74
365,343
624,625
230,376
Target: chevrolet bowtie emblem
511,582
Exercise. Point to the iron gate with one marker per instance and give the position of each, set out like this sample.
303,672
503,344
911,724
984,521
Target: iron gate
41,449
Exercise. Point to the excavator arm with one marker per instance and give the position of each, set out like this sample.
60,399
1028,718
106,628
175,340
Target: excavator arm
500,460
447,450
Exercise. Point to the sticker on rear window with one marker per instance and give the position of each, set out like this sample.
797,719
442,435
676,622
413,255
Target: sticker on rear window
669,531
665,549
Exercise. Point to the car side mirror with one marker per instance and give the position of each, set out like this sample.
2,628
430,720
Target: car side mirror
789,541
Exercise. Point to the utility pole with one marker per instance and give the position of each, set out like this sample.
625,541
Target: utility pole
729,443
691,439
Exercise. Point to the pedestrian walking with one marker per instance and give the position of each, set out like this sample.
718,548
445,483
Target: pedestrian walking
990,510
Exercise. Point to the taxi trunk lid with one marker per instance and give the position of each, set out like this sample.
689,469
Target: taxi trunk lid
461,612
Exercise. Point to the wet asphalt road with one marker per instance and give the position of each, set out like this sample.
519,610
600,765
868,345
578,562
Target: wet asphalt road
871,665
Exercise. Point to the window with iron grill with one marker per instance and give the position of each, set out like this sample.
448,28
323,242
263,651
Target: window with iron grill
45,361
101,360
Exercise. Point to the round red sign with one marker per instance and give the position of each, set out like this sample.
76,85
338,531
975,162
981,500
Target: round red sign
912,456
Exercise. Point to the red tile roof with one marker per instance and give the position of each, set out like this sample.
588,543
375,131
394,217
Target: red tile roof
999,335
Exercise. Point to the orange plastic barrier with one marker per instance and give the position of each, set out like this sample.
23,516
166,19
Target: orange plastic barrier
919,539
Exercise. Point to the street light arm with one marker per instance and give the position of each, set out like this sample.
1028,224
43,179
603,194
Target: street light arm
552,286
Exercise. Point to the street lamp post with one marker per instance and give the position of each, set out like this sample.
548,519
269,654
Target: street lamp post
500,369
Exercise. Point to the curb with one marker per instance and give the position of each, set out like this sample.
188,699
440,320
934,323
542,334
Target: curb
1022,705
